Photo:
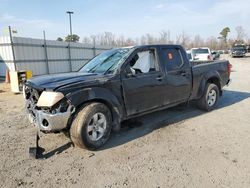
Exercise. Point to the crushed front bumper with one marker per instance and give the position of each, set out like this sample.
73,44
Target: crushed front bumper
48,122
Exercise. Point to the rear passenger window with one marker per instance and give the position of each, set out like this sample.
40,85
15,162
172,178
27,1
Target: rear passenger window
173,59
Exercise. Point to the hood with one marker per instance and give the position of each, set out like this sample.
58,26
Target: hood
54,81
238,50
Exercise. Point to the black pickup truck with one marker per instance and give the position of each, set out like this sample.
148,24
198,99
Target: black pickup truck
120,84
238,51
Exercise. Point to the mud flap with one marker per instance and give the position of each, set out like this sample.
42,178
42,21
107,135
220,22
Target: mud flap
116,126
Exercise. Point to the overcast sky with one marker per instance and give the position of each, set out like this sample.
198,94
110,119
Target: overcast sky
130,18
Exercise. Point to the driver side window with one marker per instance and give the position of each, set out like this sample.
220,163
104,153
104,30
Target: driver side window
143,62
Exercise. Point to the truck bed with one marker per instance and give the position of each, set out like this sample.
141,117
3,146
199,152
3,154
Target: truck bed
202,69
193,63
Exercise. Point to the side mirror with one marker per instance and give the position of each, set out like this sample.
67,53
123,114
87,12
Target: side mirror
129,73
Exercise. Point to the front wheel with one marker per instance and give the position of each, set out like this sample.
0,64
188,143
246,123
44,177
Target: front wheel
209,99
92,126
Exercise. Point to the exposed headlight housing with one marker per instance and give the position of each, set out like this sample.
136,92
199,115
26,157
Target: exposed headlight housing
49,98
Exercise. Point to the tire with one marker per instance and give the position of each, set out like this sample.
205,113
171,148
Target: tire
92,126
209,99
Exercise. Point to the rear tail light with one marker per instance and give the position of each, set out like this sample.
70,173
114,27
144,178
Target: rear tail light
209,57
229,68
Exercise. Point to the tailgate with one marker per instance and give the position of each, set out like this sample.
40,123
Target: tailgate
201,56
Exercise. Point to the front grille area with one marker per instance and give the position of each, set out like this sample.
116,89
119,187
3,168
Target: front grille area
32,94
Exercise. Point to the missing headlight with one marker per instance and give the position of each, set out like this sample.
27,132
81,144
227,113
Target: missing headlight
60,107
63,107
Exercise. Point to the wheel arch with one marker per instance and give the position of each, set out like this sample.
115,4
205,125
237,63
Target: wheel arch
216,81
83,97
210,77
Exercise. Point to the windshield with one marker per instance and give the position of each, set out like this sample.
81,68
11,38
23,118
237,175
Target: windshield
107,62
201,51
239,48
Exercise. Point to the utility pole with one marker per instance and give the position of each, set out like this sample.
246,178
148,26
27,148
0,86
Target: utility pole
46,52
71,39
12,47
70,25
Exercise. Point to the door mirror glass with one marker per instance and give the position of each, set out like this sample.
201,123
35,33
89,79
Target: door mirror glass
129,72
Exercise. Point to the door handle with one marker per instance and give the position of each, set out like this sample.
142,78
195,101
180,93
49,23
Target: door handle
159,78
184,73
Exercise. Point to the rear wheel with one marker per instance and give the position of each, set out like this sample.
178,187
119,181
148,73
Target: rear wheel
92,126
209,99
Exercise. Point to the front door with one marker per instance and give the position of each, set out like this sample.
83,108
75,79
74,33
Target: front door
142,86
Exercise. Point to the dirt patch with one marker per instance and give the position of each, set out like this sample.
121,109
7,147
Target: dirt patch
180,147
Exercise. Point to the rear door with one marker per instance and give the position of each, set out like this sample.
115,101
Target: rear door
178,75
143,89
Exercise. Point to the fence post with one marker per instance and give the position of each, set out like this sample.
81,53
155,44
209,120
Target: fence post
70,63
94,48
46,53
12,48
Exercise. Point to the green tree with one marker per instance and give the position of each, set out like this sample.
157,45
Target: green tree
224,34
73,38
59,39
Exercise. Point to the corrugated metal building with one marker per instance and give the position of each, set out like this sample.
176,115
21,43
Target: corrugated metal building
44,56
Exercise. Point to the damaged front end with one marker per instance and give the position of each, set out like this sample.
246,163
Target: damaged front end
49,111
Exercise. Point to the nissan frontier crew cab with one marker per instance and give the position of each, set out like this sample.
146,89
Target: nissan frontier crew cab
118,85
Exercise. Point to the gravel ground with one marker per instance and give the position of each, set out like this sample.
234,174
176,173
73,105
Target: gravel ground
180,147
